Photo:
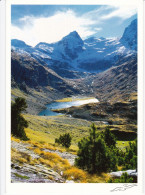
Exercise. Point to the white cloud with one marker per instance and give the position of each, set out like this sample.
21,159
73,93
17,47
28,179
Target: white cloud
122,12
52,28
98,29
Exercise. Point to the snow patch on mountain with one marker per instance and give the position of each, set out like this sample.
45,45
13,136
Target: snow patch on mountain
92,54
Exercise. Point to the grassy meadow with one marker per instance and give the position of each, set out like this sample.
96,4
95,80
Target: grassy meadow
44,129
42,132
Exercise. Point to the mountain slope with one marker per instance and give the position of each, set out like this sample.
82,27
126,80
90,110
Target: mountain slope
104,67
38,83
91,55
129,38
115,83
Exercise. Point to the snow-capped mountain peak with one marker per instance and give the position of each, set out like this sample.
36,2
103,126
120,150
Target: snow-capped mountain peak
70,46
92,54
72,41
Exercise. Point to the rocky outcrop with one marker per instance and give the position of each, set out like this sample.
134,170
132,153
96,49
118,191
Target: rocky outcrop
37,172
34,174
103,111
131,173
66,155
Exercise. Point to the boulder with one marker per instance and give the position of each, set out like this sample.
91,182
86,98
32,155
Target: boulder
132,173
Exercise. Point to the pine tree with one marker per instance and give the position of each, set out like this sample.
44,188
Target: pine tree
109,138
93,154
64,140
18,123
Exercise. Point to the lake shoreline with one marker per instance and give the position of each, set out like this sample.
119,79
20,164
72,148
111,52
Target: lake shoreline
65,104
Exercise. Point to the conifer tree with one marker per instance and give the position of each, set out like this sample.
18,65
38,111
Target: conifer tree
18,123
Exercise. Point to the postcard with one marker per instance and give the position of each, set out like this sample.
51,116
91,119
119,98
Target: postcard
74,97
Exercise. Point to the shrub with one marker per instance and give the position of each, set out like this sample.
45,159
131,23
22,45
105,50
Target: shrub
22,160
123,179
94,155
75,174
130,159
64,140
46,162
109,138
18,123
51,156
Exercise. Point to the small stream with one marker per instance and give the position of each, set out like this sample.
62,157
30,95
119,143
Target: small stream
59,105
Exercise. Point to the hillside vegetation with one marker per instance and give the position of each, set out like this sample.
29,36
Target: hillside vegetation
102,135
42,132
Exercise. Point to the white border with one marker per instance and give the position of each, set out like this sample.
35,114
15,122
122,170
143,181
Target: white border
71,189
2,98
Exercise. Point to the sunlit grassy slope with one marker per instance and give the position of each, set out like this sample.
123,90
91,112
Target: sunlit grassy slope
44,129
55,162
70,99
42,132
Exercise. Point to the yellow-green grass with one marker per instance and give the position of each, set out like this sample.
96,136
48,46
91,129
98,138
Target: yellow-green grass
46,129
97,178
123,145
57,163
42,132
124,127
44,140
69,172
21,176
70,99
75,174
18,93
51,160
34,97
38,136
133,96
39,93
20,157
15,139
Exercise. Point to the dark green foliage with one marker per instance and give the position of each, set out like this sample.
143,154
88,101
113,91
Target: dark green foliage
120,156
124,135
123,179
130,159
98,153
18,123
64,140
94,155
109,138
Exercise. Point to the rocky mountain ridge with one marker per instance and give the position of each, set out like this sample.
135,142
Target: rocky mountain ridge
105,68
91,55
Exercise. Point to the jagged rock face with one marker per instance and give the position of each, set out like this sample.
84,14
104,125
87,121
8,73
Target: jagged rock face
64,50
71,45
26,70
117,81
71,66
129,38
91,55
101,54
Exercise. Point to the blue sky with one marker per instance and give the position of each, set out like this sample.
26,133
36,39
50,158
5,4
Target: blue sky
49,23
